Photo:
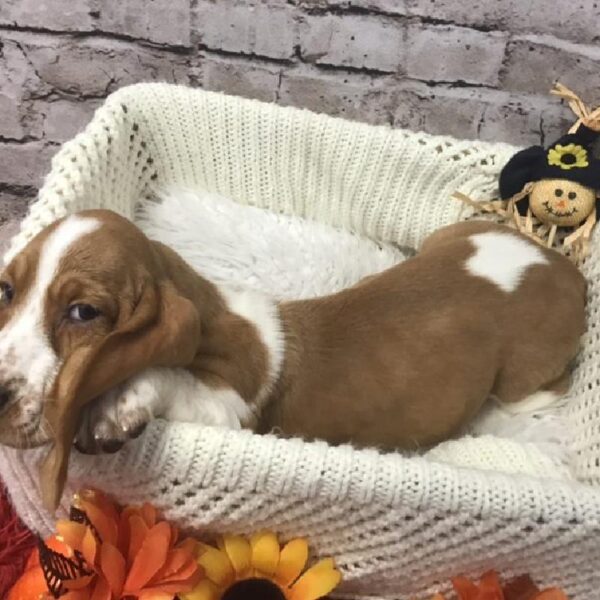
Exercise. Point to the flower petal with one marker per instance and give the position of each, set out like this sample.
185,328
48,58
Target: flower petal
32,584
551,594
205,590
112,565
291,561
148,513
189,545
465,588
239,552
89,547
186,578
103,523
490,587
34,559
176,560
174,534
71,533
179,567
125,530
216,565
138,530
154,595
79,583
58,545
173,588
520,588
317,582
265,553
150,558
102,590
76,595
102,501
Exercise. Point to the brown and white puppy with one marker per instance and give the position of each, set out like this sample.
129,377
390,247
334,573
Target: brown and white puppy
92,309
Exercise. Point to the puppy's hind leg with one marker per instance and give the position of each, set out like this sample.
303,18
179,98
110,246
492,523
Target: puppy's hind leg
550,396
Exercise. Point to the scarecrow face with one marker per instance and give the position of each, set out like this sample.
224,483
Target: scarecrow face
561,202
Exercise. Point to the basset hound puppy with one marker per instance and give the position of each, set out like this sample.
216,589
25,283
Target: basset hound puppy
102,330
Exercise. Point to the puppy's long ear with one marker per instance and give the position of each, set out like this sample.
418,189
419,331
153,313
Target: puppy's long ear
163,330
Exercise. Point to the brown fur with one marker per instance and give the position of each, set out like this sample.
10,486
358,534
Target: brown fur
406,359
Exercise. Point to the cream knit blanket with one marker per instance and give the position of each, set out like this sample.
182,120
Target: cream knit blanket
399,527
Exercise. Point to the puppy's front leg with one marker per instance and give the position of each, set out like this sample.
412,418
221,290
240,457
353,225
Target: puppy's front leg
172,394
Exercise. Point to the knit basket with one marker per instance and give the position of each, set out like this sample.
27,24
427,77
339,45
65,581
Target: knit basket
399,527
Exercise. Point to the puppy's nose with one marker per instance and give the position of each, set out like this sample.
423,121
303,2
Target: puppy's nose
5,396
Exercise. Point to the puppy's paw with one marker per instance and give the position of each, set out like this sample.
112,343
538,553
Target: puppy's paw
120,415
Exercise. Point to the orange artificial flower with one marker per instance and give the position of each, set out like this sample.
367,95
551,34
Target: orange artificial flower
104,553
490,588
32,583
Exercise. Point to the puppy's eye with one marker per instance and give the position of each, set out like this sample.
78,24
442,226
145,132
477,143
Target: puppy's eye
6,292
83,312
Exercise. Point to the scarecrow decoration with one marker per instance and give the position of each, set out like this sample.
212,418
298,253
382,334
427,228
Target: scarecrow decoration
553,194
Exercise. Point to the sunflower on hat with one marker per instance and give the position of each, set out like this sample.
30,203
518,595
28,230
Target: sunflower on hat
568,157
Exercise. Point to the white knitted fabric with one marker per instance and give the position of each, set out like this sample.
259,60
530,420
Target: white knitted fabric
399,527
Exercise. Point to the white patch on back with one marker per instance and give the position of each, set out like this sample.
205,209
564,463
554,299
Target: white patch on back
263,313
25,351
503,258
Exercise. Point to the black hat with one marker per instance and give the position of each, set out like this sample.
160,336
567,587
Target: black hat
569,158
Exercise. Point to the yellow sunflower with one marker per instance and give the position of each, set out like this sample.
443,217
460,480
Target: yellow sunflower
567,157
259,568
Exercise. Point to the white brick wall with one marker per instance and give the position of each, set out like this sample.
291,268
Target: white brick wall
479,69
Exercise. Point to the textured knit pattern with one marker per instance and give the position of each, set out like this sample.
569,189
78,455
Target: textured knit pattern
399,527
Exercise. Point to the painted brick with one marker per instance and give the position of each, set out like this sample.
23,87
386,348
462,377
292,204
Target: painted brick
523,122
535,62
18,81
438,111
357,41
18,78
479,114
97,67
240,78
24,164
57,15
10,123
392,7
12,208
160,21
576,21
440,53
246,27
63,119
354,96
